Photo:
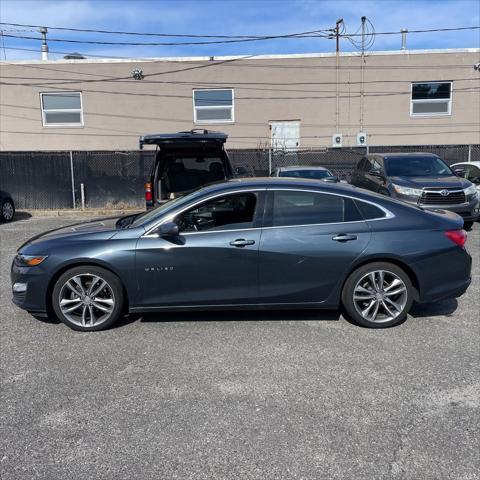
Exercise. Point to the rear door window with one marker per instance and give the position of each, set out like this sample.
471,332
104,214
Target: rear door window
370,211
295,207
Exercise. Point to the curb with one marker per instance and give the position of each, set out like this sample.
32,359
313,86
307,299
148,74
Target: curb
79,212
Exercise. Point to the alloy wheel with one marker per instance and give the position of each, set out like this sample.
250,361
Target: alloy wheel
7,211
87,300
380,296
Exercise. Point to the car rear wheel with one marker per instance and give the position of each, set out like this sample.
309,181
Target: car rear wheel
88,298
7,210
378,295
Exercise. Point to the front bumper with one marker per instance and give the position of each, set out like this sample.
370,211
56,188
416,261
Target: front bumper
29,288
469,211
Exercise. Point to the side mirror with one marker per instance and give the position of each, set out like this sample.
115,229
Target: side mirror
332,179
169,229
459,172
241,171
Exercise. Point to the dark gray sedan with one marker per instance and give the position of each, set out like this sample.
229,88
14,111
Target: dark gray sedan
252,243
7,207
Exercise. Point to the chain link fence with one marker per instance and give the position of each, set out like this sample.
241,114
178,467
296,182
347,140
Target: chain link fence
108,179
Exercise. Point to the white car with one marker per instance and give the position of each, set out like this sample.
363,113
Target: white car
470,171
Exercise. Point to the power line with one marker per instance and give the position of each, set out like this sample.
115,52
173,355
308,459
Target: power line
262,98
431,30
148,34
321,33
315,34
250,124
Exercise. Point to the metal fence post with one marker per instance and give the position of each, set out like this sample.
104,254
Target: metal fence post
72,177
270,160
469,158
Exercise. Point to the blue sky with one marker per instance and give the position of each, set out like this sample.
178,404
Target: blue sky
237,17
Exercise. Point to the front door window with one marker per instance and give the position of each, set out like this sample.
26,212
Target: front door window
230,212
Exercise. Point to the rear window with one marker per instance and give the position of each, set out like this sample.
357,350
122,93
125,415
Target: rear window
302,173
369,211
310,208
195,162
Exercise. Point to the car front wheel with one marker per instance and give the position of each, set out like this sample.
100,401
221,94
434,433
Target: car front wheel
7,211
378,295
88,298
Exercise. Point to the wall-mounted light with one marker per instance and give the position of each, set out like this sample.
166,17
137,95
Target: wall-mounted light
137,74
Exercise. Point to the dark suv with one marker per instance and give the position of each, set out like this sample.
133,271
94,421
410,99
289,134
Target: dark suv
184,162
419,178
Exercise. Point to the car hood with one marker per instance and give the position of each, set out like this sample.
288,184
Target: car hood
436,182
102,229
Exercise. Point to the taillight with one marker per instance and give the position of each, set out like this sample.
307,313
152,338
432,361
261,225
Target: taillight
458,237
148,192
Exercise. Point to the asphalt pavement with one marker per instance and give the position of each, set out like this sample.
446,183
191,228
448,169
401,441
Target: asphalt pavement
239,395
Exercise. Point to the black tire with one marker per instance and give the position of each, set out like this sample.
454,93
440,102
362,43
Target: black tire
383,296
110,298
467,225
7,210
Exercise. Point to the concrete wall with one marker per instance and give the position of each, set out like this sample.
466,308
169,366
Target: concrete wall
118,109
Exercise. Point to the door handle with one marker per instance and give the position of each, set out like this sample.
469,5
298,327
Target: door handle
344,237
240,242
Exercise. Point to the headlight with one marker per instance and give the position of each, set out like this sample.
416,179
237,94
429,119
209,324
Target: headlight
471,190
409,192
29,260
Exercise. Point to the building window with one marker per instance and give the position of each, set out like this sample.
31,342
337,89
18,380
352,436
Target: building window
433,98
213,106
62,109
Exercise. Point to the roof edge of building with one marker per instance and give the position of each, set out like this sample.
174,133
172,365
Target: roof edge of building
245,57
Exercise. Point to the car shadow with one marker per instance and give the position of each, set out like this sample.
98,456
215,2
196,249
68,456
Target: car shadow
445,307
231,316
18,217
441,308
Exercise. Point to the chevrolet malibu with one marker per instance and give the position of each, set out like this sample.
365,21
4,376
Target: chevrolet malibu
248,244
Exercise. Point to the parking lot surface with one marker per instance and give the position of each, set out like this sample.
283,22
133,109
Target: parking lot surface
239,395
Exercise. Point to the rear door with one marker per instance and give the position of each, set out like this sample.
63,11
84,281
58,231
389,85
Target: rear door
374,174
214,260
309,243
358,173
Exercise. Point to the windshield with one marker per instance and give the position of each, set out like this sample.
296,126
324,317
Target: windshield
145,217
315,174
414,166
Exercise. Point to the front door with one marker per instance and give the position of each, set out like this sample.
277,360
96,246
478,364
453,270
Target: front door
312,241
214,260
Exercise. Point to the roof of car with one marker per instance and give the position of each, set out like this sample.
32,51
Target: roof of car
476,163
266,182
300,167
202,136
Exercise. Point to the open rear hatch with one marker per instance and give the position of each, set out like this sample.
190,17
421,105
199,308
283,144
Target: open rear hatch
186,161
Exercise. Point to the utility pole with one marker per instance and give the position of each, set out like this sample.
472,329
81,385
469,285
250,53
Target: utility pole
44,31
337,69
362,74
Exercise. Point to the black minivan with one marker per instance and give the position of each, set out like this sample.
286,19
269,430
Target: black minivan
422,179
185,161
